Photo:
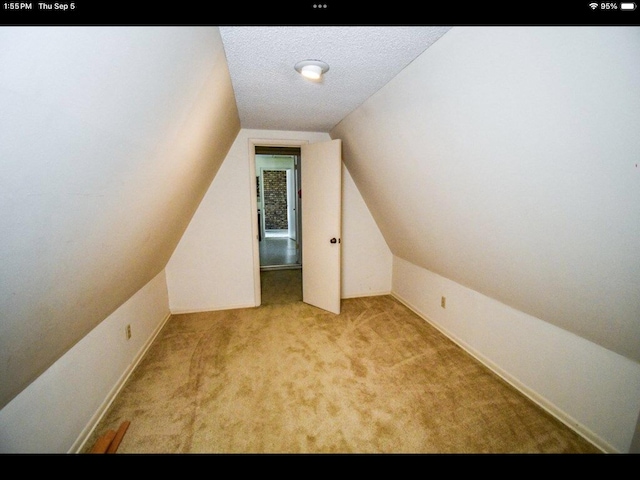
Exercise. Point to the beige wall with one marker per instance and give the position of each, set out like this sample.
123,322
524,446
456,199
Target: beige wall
109,138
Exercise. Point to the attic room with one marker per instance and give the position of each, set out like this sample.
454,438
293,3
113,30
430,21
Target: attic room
498,169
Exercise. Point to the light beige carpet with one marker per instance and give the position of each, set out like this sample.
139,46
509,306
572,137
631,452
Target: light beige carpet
290,378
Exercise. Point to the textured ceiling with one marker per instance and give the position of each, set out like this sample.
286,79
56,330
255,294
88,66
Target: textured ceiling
271,95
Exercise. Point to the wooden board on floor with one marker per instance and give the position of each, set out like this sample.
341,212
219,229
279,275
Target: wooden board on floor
110,441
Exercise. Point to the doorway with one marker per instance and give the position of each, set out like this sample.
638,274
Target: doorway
318,218
278,202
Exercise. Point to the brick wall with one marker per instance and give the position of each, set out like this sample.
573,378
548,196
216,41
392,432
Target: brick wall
275,199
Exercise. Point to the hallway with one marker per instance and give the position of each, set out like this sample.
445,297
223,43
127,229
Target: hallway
277,250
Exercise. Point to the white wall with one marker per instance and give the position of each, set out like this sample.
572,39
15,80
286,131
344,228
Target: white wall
213,266
591,389
366,258
504,160
109,138
507,159
58,411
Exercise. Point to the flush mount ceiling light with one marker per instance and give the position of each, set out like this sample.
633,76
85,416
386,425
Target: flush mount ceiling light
311,69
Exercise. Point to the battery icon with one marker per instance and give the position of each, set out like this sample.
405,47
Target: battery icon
627,6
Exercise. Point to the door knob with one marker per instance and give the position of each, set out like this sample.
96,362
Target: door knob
333,240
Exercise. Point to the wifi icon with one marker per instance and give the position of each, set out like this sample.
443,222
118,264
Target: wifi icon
593,5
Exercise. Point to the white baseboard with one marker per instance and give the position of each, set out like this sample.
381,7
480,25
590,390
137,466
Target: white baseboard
182,310
79,444
364,295
539,400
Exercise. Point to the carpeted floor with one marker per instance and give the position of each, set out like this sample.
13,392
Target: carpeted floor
290,378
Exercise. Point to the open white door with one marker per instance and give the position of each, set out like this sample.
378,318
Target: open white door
321,169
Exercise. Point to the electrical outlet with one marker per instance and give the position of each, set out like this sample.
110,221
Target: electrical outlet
443,302
128,331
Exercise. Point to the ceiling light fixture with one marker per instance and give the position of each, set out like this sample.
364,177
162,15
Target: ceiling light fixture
311,69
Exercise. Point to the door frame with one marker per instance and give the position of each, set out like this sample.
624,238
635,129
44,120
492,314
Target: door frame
253,143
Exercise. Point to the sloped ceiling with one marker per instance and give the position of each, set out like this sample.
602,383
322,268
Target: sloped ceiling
505,160
109,138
